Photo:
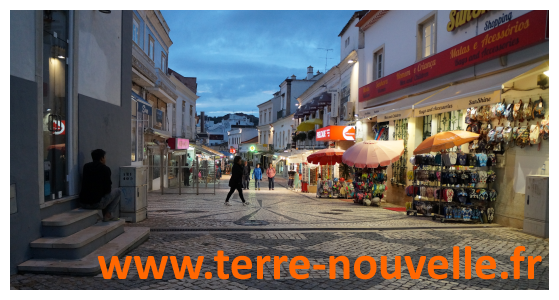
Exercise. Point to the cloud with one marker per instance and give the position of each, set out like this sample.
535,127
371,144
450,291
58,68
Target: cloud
237,56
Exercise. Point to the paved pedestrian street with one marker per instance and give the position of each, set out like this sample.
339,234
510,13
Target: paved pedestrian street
303,225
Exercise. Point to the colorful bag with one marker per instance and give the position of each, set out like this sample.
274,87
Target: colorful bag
523,137
544,129
517,111
535,137
508,112
468,119
528,110
499,134
500,109
539,110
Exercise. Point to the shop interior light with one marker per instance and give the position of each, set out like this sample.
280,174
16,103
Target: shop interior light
546,73
351,61
61,56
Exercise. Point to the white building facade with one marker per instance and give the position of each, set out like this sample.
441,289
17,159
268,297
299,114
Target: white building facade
419,72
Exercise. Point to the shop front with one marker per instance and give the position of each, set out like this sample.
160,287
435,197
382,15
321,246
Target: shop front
502,94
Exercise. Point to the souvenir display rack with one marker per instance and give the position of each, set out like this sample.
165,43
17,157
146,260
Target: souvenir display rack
369,184
458,191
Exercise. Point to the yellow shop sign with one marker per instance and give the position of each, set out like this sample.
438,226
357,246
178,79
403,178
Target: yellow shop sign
461,17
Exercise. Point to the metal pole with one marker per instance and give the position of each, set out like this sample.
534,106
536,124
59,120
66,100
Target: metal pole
196,176
161,174
180,174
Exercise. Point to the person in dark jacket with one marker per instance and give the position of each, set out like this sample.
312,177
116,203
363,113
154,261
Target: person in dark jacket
186,172
246,176
236,181
96,190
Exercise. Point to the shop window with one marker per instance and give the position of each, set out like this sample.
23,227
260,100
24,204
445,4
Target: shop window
426,36
380,131
151,50
378,68
399,168
449,121
427,120
136,31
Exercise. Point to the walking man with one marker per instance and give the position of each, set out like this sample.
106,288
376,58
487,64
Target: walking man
235,183
96,190
257,175
246,175
271,172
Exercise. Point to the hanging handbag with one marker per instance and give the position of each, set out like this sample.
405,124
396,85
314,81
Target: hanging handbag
508,112
544,129
539,110
517,111
528,111
535,137
523,137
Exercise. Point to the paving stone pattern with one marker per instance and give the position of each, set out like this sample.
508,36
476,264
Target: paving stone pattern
286,209
317,247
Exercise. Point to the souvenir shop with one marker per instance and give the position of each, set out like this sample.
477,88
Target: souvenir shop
500,137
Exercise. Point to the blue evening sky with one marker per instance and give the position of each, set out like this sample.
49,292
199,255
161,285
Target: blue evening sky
241,57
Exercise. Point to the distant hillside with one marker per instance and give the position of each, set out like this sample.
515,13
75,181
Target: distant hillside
252,118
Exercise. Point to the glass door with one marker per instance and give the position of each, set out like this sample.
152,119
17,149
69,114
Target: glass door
55,51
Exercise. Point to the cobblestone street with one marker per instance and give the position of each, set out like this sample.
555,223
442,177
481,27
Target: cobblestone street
190,225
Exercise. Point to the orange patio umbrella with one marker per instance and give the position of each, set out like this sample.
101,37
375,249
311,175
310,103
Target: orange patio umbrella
326,157
445,140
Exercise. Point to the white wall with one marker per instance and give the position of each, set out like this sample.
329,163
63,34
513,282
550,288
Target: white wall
397,31
353,33
100,55
22,50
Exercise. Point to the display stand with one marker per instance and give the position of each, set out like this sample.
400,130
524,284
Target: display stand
449,178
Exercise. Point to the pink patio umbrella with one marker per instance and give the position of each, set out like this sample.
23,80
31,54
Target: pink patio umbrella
372,154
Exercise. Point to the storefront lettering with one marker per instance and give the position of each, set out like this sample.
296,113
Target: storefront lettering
382,83
393,116
500,20
480,100
459,51
426,65
435,108
458,18
403,74
491,38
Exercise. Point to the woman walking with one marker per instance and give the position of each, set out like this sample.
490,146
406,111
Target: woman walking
257,176
236,181
271,172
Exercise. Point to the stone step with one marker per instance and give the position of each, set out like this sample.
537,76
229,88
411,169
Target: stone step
70,222
79,244
89,264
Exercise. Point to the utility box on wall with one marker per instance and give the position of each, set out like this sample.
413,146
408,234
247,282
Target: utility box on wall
536,206
133,183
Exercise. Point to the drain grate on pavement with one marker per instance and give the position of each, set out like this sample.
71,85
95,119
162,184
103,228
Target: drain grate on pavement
345,210
251,222
329,213
167,210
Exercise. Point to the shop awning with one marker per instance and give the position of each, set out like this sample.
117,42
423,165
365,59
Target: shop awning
313,105
478,92
206,150
309,124
396,110
324,99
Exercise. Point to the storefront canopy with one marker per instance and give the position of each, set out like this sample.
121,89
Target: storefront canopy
324,99
309,124
478,92
313,105
396,110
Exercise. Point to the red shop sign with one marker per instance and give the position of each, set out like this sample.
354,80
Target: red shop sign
524,31
336,133
178,144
